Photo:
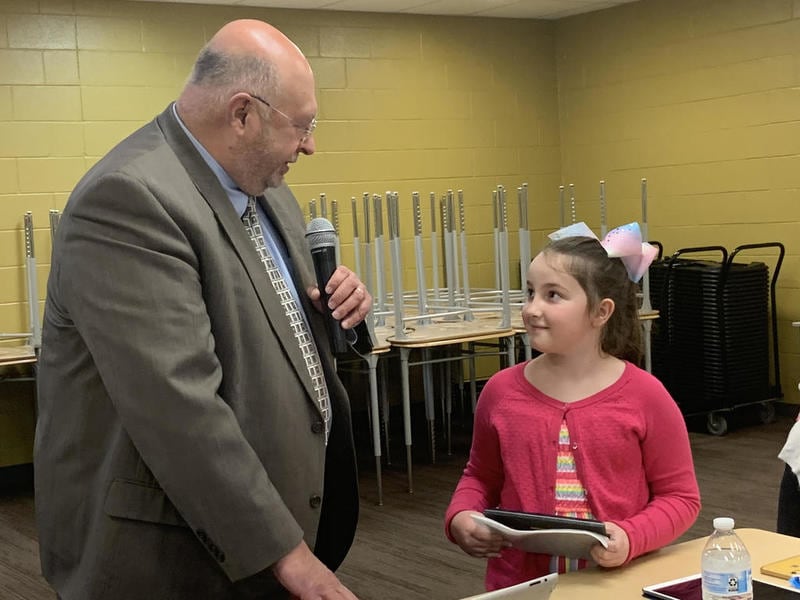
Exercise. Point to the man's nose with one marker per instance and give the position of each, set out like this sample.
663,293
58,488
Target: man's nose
309,145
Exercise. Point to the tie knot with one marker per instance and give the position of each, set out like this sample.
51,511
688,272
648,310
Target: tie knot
249,216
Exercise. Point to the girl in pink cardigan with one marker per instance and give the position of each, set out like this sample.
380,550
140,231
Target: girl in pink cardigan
580,430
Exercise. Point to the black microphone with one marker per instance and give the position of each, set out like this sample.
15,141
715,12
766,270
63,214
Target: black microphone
321,238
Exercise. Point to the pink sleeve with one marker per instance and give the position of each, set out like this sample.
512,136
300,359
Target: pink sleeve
480,484
674,495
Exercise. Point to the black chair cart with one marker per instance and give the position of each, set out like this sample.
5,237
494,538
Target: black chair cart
711,343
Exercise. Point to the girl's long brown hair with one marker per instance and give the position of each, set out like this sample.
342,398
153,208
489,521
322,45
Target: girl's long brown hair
604,277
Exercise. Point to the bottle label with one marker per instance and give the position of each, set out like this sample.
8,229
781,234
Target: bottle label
722,584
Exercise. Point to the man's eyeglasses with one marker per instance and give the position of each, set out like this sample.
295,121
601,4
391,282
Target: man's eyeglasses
306,130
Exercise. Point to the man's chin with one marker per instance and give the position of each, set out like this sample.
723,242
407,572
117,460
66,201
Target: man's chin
276,180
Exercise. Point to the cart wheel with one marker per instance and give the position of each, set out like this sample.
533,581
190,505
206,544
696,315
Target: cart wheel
716,424
766,412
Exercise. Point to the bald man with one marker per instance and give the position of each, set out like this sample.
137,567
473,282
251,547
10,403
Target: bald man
193,440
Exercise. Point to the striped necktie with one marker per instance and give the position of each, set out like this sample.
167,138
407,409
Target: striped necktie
297,320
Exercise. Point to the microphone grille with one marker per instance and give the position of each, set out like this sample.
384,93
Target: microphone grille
320,233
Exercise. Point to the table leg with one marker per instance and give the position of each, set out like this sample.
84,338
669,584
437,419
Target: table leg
404,352
473,388
448,404
384,396
647,325
430,409
372,362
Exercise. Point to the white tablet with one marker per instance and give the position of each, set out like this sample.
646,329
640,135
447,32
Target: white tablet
535,589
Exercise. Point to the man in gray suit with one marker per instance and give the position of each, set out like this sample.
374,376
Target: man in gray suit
193,439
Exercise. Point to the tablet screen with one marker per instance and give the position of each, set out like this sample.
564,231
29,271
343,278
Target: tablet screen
690,588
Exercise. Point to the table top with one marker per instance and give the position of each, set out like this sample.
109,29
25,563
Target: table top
445,333
381,345
670,562
16,355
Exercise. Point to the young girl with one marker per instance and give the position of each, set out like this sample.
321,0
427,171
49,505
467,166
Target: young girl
580,430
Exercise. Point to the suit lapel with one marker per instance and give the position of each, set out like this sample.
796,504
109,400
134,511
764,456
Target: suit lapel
210,189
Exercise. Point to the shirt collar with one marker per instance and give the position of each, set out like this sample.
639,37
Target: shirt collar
237,197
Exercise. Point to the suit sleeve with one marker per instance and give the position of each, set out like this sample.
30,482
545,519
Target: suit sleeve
131,284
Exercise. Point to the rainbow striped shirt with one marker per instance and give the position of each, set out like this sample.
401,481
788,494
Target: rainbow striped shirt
570,497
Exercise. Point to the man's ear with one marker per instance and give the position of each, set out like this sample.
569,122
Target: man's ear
603,312
239,107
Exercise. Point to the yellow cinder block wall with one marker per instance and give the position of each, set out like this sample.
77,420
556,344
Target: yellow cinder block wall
703,100
407,103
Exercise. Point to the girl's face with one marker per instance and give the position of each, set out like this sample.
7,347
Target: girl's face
556,311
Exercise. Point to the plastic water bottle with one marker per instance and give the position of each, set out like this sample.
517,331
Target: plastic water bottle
726,564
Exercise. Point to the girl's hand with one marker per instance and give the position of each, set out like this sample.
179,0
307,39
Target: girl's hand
475,538
618,547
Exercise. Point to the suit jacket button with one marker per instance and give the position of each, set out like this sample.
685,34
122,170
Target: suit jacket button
317,427
315,501
216,552
201,534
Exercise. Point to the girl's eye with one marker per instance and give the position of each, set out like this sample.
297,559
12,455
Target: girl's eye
553,295
529,293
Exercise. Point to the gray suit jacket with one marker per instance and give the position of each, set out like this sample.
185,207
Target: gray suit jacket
179,449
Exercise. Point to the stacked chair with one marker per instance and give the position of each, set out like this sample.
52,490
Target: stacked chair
712,344
440,322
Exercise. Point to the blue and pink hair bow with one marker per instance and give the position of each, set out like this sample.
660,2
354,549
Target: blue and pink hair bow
624,242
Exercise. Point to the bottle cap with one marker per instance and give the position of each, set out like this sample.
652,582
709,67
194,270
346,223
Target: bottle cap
723,523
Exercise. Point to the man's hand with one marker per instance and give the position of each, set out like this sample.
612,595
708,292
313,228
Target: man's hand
307,578
348,298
